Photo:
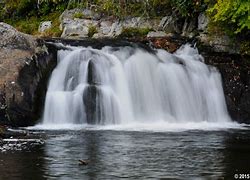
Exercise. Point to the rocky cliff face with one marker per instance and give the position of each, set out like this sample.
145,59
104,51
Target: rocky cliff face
235,71
24,66
26,63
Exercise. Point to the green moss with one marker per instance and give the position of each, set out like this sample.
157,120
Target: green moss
92,30
78,15
245,48
52,32
135,32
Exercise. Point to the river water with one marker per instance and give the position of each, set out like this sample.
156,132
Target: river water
116,154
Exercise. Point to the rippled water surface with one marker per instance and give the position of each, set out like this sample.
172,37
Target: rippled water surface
131,155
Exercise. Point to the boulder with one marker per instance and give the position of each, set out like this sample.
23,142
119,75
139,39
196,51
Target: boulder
12,39
169,24
23,66
189,27
219,43
116,29
44,26
72,26
106,27
202,22
86,13
77,27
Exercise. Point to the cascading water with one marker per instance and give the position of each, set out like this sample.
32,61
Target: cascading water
127,85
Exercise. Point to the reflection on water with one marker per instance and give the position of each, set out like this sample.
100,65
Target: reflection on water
132,155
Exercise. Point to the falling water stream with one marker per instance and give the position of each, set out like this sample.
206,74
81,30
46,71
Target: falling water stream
129,85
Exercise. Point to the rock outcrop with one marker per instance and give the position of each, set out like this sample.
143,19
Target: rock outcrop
109,27
24,65
78,26
235,72
45,25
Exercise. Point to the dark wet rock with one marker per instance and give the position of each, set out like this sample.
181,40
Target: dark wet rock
18,144
189,27
83,162
18,139
6,132
235,72
91,99
91,73
170,24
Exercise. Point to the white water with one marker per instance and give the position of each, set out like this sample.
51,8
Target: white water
130,87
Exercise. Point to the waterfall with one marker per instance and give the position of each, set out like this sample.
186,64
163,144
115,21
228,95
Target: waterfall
121,85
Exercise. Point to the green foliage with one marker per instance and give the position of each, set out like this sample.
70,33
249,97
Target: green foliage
123,8
160,7
30,25
27,26
231,15
20,9
234,15
25,6
245,48
54,31
92,30
135,32
188,7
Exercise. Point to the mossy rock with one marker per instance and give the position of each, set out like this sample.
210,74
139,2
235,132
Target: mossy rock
134,32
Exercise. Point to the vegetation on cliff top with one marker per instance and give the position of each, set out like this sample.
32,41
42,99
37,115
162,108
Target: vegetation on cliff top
232,15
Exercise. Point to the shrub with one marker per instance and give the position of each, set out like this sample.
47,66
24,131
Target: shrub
188,7
27,26
232,14
52,32
92,30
